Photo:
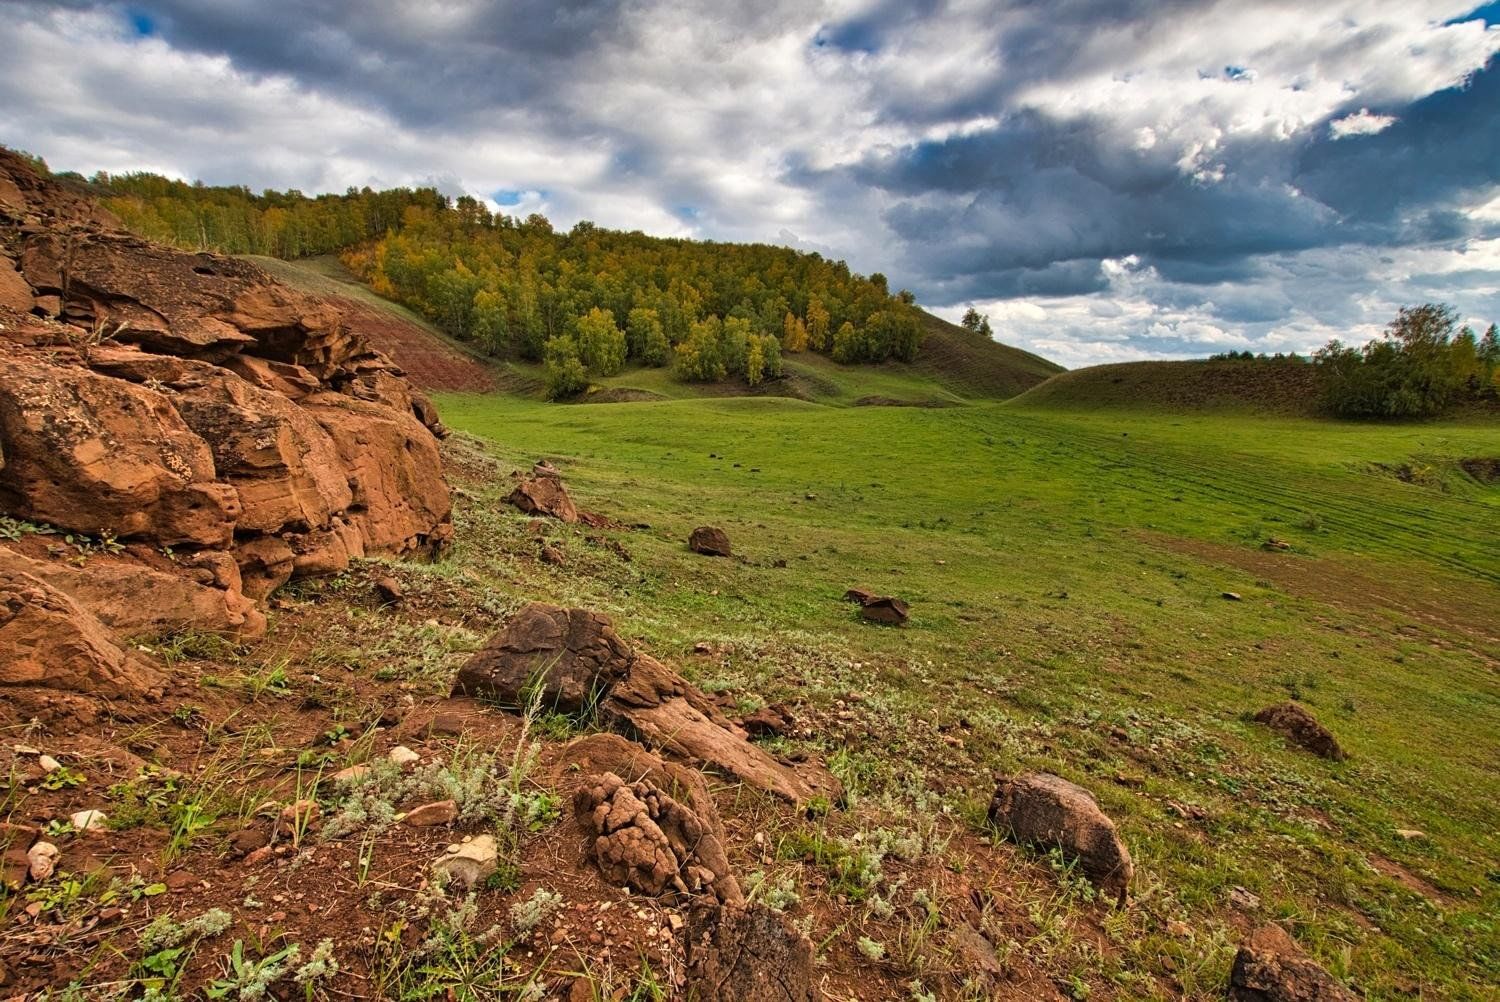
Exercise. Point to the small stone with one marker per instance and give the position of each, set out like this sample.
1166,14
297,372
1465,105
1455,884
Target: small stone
1243,899
403,756
41,860
90,821
388,589
258,856
441,812
181,880
446,723
247,840
471,864
48,763
298,817
1232,596
351,774
1410,834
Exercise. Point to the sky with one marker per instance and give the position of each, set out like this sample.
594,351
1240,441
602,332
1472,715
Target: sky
1107,180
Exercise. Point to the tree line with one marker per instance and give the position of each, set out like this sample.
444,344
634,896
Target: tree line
1422,366
583,303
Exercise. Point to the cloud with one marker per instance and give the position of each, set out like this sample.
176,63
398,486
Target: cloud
1110,179
1361,123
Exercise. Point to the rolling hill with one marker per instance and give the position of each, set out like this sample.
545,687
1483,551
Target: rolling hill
952,367
1254,386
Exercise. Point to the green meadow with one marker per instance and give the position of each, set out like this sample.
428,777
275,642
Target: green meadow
1070,576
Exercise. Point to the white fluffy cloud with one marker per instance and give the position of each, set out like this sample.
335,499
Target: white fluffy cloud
1108,180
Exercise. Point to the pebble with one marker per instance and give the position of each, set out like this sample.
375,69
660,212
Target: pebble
41,860
48,763
402,755
90,821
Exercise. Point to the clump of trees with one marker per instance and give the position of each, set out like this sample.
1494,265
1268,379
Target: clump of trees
1421,367
583,303
976,322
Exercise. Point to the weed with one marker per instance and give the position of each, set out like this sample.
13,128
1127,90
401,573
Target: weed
527,915
246,978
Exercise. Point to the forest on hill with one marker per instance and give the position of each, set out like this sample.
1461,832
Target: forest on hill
586,302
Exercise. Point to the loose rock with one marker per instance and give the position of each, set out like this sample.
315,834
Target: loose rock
643,838
442,812
470,863
1271,967
403,756
90,821
41,860
1301,728
710,541
1043,810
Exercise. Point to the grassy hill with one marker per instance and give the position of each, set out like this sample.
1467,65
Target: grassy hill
1197,385
953,366
1066,573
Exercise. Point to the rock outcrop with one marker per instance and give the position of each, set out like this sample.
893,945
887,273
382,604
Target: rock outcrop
573,661
1046,811
641,837
192,404
1301,728
1271,967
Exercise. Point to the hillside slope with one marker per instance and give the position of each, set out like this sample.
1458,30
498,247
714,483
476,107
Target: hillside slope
1196,385
952,367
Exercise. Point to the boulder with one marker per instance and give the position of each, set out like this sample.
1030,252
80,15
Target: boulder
883,609
656,705
601,752
574,661
48,641
747,953
642,838
281,462
140,602
1271,967
544,495
570,657
1301,728
94,454
886,610
401,503
710,541
1046,811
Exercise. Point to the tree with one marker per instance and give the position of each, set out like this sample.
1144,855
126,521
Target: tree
846,344
563,369
646,339
1417,369
978,323
817,325
491,321
697,359
601,344
793,334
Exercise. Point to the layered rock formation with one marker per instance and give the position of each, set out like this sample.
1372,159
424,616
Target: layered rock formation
187,404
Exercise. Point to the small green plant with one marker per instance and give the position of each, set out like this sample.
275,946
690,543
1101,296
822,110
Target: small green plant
527,915
13,529
870,949
247,978
63,778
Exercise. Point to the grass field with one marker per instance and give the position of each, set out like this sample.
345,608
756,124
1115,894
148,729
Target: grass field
1066,572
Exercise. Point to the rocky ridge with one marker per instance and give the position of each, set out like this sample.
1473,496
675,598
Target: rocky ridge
201,433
